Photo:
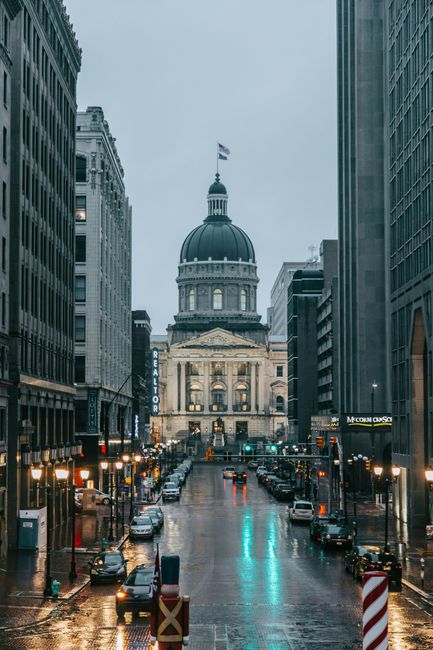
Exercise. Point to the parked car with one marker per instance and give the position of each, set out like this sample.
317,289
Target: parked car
170,491
101,497
317,524
253,464
135,595
109,566
272,484
157,510
141,527
392,567
174,478
78,506
228,471
283,492
265,478
334,534
260,469
353,558
239,476
301,511
156,521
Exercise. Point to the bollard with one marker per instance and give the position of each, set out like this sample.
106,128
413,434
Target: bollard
375,610
103,544
55,587
422,564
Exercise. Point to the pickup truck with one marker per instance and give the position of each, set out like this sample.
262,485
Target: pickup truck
170,491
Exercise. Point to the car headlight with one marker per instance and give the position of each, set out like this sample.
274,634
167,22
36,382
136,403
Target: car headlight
328,536
349,537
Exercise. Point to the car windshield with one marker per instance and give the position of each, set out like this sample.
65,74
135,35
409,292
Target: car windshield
109,558
140,578
303,506
141,521
169,486
337,530
229,469
387,558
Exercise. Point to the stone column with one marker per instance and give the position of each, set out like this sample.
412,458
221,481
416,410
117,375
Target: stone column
182,385
230,386
206,386
260,386
253,396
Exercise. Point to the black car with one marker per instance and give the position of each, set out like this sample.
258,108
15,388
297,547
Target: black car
283,492
317,526
335,535
109,566
239,476
388,562
360,559
135,595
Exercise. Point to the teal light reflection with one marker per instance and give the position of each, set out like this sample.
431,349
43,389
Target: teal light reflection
272,569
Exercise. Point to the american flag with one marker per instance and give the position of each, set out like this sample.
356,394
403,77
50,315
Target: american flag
223,149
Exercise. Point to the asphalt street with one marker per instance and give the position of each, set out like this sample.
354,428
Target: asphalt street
256,582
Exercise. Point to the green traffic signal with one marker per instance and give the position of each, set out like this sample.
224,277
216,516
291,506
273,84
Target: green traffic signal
247,447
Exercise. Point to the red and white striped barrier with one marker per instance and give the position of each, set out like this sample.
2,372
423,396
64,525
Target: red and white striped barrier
375,611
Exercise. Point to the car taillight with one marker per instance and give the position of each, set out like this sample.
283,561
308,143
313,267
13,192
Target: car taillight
244,474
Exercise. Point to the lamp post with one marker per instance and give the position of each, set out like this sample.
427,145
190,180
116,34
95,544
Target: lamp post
137,459
374,387
389,479
351,462
118,466
61,475
84,473
429,479
106,466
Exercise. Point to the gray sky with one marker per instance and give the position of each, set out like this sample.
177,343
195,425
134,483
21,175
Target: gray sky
175,76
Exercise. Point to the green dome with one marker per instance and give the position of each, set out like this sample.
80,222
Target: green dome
217,239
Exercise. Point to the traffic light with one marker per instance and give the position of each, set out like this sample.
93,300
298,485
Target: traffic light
320,441
368,464
332,440
273,447
248,448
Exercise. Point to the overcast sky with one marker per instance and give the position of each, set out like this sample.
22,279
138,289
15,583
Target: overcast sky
175,76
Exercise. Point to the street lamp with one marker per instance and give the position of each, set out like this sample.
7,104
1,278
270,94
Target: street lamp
389,479
374,387
61,474
84,473
429,479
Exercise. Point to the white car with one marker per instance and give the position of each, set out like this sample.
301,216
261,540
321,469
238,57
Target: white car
101,497
149,482
301,511
228,471
141,527
260,470
170,491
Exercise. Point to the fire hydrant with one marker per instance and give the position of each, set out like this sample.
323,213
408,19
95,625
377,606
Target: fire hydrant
55,587
104,544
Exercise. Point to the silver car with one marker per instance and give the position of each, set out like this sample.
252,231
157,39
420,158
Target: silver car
141,528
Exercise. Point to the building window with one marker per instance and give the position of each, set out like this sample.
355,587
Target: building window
80,288
5,144
6,32
195,397
241,401
5,89
3,253
191,300
243,300
217,299
80,248
218,397
80,170
80,369
80,329
4,200
2,424
80,208
3,309
279,371
279,404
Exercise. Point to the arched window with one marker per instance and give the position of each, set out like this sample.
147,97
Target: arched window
243,300
218,397
279,404
241,401
195,397
191,300
217,299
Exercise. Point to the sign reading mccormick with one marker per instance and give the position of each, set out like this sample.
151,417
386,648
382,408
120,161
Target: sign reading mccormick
92,410
381,422
155,381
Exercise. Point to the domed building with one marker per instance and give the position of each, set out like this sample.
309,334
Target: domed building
220,376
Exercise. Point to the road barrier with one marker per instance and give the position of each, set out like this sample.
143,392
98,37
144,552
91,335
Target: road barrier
375,610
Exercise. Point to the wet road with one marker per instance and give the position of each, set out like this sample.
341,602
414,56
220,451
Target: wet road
256,582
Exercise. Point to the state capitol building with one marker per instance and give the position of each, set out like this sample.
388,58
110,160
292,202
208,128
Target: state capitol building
221,376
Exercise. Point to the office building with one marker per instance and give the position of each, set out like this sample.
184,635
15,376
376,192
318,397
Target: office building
45,63
102,291
141,376
327,331
277,312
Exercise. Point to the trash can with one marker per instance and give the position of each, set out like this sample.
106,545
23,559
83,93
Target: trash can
401,551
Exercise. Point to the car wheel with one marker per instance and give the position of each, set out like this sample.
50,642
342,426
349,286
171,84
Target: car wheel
105,501
92,581
120,612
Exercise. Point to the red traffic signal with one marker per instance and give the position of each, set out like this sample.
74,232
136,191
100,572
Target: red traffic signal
320,441
333,440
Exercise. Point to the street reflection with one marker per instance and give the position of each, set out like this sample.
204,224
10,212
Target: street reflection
272,568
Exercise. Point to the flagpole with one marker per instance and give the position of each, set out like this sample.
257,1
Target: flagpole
217,158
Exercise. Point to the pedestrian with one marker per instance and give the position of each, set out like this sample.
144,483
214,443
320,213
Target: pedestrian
315,492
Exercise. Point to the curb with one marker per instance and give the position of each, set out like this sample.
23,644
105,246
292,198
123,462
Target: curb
420,592
61,600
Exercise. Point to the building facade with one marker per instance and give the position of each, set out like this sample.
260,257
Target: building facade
45,64
9,9
102,289
361,204
302,299
277,312
328,332
221,377
409,137
141,375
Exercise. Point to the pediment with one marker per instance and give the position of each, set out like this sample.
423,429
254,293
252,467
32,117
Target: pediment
217,338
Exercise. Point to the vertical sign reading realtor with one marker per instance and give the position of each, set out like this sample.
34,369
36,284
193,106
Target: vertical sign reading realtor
155,381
